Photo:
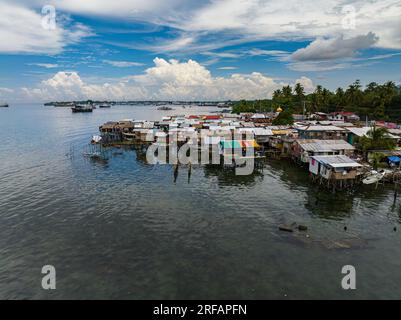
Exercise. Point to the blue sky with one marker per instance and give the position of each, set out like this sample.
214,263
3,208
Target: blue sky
217,49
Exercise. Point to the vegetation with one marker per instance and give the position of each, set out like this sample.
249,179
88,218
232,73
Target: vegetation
284,118
376,101
244,106
375,140
376,160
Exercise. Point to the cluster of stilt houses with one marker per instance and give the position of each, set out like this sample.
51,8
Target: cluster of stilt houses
327,148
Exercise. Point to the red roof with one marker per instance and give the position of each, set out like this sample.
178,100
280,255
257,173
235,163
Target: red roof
389,125
344,113
210,117
193,117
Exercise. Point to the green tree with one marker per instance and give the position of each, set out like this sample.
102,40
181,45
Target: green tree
284,118
376,139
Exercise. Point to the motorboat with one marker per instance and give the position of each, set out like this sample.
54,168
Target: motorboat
375,176
82,108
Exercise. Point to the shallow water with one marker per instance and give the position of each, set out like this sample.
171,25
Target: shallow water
125,229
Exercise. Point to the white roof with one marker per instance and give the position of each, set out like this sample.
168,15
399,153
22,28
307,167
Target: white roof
257,131
339,161
324,145
258,116
320,128
360,132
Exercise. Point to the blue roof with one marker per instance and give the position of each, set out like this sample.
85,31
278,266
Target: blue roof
394,159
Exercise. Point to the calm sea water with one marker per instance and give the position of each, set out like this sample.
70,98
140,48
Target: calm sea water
125,229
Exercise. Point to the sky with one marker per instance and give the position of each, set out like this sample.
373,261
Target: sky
192,49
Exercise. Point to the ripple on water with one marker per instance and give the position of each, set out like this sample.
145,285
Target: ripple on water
125,229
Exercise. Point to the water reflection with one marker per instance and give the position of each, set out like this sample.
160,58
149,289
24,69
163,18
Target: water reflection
124,229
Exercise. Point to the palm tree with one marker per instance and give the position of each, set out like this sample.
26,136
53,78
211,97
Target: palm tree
299,92
339,99
376,139
354,94
276,94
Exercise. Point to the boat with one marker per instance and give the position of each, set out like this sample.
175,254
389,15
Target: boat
374,177
82,108
165,108
3,105
96,139
104,106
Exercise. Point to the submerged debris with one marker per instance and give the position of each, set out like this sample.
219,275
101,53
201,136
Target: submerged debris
287,228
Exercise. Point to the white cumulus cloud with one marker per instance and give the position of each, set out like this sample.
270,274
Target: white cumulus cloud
166,80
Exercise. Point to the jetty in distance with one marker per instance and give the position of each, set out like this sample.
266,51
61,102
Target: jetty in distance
69,104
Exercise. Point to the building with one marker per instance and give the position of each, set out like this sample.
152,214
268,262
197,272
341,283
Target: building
345,116
334,168
328,132
304,149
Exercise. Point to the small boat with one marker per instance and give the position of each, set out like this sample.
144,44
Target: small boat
82,108
3,105
374,177
165,108
96,139
104,106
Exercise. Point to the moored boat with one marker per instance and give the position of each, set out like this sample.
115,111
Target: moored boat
374,177
3,105
104,106
82,108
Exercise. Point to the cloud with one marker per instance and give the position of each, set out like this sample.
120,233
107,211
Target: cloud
44,65
334,48
166,80
227,68
225,21
164,46
221,54
315,66
6,90
21,31
307,83
261,52
123,64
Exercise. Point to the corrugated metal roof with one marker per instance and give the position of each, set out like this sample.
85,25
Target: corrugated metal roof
360,132
324,145
339,161
319,128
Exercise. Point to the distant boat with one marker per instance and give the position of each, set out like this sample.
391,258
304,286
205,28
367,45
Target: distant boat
82,108
103,106
3,105
165,108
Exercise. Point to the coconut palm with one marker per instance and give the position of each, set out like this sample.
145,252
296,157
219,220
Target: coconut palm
376,139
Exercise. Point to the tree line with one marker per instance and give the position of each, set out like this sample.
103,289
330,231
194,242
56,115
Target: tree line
375,101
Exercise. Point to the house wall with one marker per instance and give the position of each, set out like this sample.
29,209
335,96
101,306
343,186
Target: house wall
324,135
314,166
340,176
